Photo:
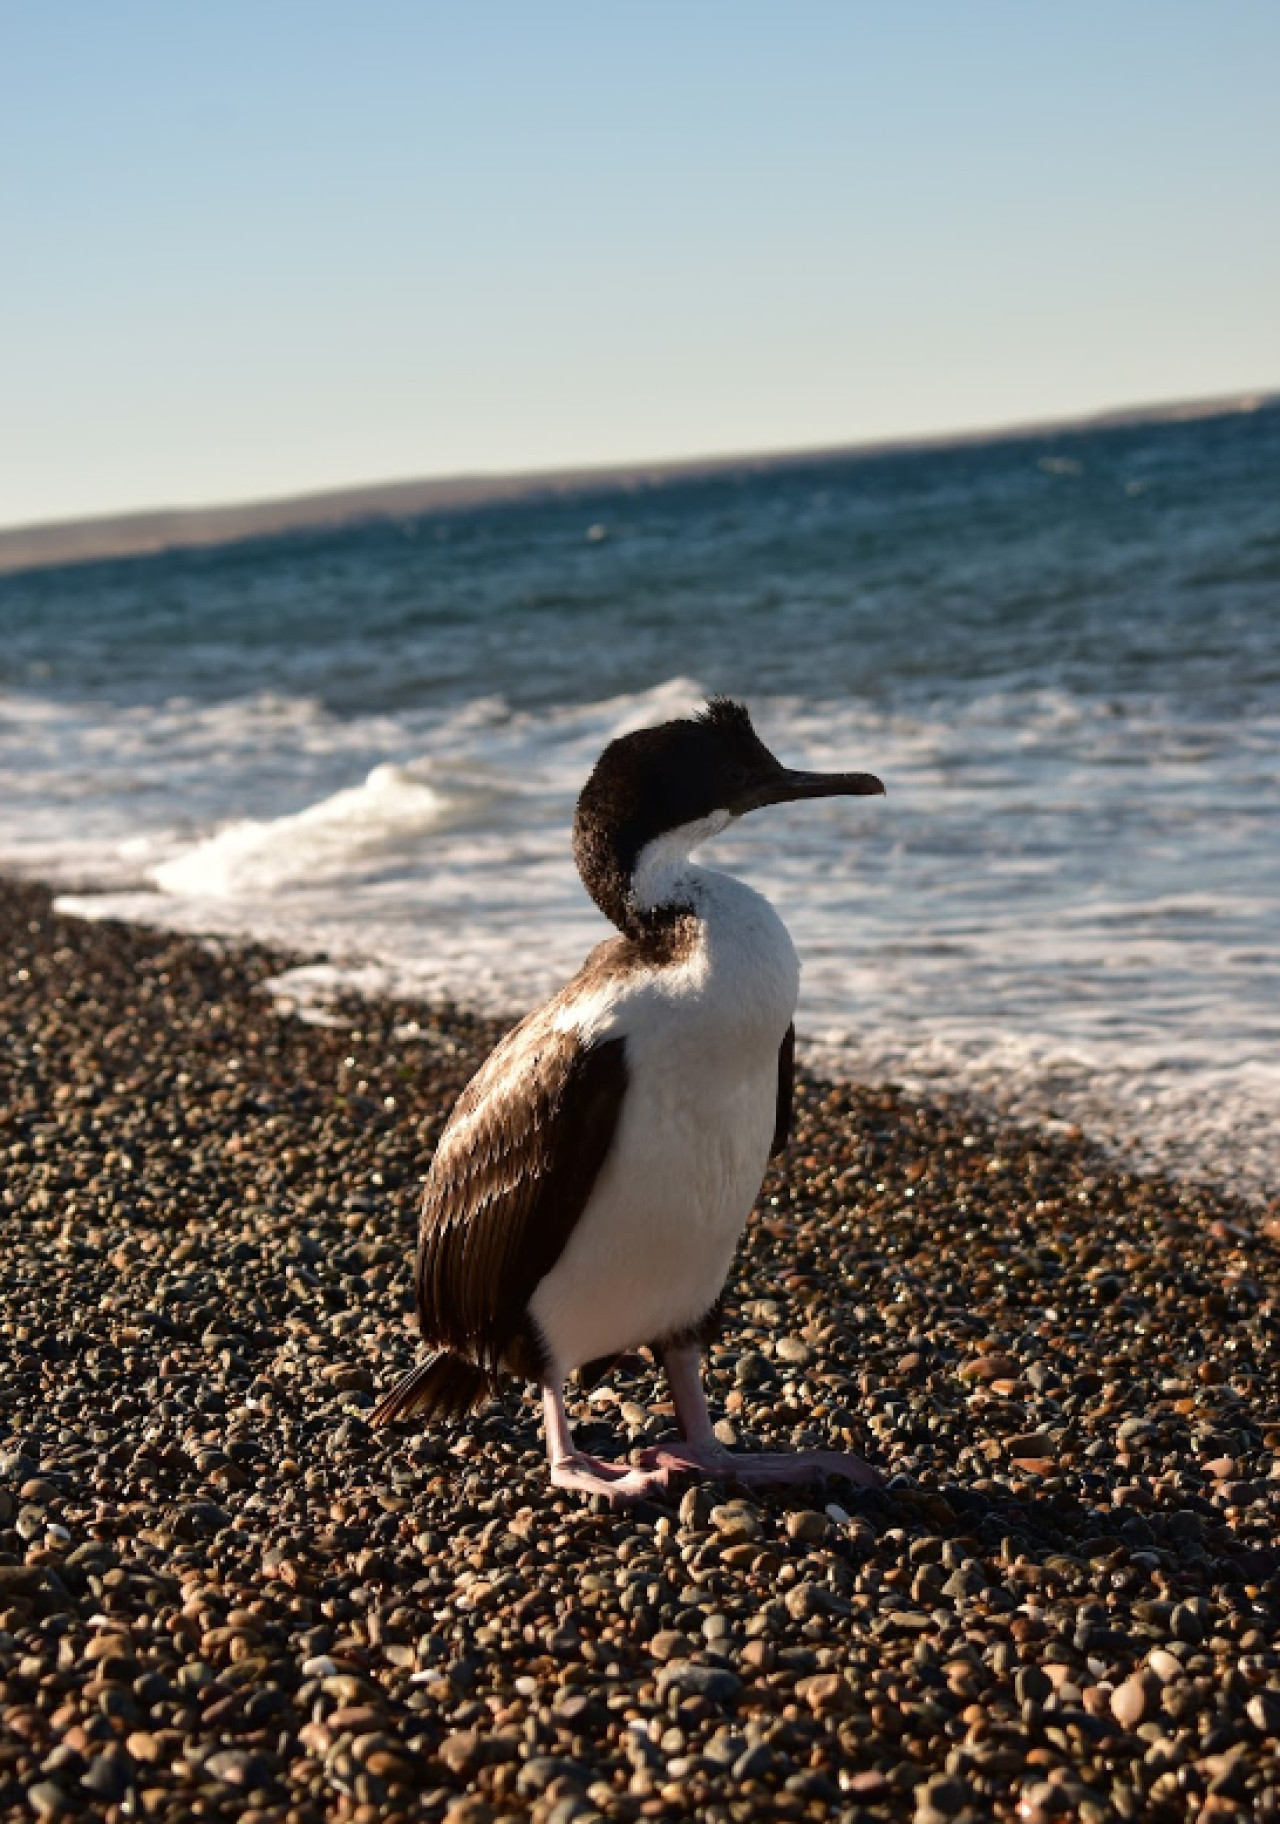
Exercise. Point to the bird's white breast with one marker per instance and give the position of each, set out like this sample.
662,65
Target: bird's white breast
652,1248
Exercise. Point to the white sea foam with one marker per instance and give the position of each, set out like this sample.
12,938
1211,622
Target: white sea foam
351,833
1067,905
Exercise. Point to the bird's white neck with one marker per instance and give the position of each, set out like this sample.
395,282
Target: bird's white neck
737,985
664,875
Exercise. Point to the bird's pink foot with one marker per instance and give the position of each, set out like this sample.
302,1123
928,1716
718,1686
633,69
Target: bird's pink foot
760,1466
615,1481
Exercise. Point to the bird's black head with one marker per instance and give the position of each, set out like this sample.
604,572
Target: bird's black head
692,776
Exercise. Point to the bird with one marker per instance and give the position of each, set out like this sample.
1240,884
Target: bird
589,1190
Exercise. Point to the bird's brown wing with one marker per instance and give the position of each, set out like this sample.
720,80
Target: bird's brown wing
511,1176
786,1091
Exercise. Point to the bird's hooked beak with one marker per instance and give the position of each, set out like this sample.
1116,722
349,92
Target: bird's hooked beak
786,786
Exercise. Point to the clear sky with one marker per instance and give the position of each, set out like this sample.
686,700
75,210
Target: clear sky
255,247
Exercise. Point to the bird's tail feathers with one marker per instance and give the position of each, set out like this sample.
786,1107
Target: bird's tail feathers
445,1386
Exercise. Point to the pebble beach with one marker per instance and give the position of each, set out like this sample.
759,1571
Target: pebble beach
222,1595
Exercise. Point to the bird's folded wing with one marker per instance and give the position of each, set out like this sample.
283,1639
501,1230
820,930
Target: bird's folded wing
510,1178
786,1091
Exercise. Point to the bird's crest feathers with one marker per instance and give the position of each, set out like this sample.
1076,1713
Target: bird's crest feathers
726,713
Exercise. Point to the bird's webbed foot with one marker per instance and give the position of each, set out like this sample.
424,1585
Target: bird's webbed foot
760,1467
573,1468
617,1482
701,1454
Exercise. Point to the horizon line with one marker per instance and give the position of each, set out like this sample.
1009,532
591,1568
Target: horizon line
138,532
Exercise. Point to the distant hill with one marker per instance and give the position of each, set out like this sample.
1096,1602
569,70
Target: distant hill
174,528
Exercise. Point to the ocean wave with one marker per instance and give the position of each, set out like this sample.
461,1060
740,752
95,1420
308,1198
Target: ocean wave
345,836
1062,903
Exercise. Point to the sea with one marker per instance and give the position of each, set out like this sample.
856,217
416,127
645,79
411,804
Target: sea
1060,652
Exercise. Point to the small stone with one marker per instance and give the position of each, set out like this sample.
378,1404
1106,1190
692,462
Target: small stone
21,1581
389,1764
807,1600
1131,1701
695,1509
826,1693
989,1368
1263,1711
1032,1685
358,1717
725,1748
579,1710
1185,1625
715,1683
107,1777
1043,1801
108,1646
941,1798
238,1767
751,1368
811,1783
965,1580
202,1519
47,1799
469,1809
743,1555
754,1764
668,1643
461,1751
538,1773
735,1520
1163,1752
1166,1666
572,1809
795,1350
870,1783
807,1526
1032,1446
350,1688
1134,1431
64,1761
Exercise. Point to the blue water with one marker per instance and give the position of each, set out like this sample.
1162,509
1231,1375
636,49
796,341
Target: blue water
1062,654
1155,568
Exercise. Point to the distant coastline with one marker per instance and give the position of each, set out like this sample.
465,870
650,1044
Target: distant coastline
49,544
